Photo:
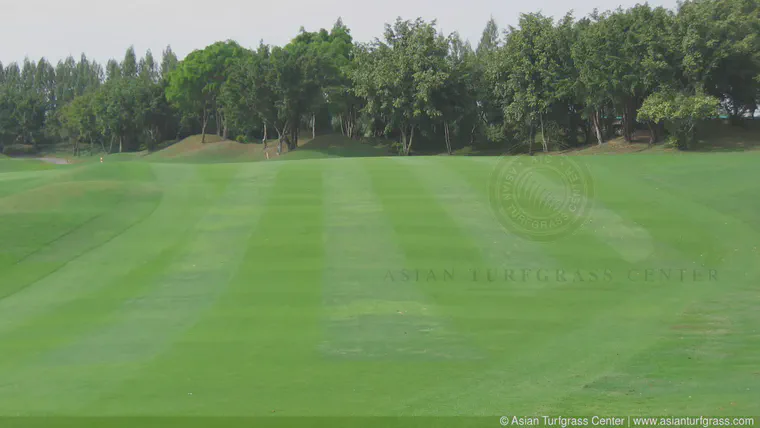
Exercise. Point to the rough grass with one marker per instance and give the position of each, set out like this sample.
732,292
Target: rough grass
292,289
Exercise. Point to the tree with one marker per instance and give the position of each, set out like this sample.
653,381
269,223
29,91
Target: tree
147,68
400,76
343,104
196,83
247,93
116,109
590,54
490,40
680,112
720,51
169,62
487,72
78,121
113,70
534,77
457,100
295,80
129,65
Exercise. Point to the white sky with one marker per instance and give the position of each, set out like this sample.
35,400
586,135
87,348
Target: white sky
104,29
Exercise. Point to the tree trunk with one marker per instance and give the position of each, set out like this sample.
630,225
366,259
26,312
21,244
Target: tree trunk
110,148
572,128
629,113
265,134
530,140
448,138
225,132
313,126
544,144
411,138
596,124
121,144
352,123
218,119
654,134
281,135
403,140
204,122
607,128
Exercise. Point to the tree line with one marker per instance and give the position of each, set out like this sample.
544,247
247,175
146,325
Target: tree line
541,84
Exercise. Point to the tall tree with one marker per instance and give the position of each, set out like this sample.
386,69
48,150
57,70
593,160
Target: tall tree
113,70
590,53
196,84
147,69
169,62
400,75
720,50
490,39
129,65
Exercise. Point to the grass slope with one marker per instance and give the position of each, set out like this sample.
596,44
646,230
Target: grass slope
217,150
214,150
277,288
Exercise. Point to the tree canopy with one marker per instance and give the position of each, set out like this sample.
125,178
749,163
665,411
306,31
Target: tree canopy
560,83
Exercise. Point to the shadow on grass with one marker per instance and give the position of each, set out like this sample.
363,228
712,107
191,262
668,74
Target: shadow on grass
338,146
723,137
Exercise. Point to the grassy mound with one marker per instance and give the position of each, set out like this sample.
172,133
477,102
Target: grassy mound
337,146
217,150
187,147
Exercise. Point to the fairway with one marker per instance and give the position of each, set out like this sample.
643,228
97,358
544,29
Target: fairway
377,286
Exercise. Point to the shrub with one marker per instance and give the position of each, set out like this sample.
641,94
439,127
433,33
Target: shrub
680,112
19,150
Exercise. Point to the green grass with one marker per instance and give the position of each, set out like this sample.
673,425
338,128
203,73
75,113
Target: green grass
276,289
13,165
217,150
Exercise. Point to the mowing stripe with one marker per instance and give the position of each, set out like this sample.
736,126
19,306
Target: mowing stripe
98,230
373,313
263,331
629,240
113,259
176,294
465,200
646,308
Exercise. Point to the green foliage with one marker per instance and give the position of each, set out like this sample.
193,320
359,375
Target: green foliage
720,47
401,76
559,82
78,120
196,84
19,150
681,113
